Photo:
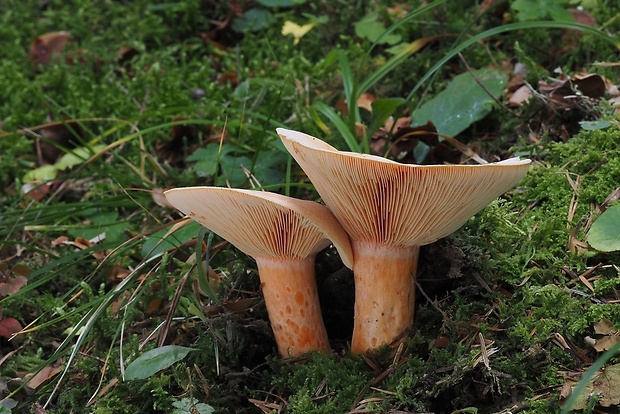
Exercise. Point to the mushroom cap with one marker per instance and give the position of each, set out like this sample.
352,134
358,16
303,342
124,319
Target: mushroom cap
263,224
384,202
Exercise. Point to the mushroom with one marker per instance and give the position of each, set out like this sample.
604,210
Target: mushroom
389,210
283,235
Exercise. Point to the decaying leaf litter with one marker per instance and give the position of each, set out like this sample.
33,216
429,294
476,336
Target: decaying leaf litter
98,270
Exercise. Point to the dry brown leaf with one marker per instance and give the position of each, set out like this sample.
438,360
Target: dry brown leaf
9,327
605,343
520,96
365,101
12,285
49,137
605,327
47,47
48,372
605,384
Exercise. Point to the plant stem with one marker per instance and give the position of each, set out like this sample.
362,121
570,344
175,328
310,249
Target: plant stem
384,294
292,301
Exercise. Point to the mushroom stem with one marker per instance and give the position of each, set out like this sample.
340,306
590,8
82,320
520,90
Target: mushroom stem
292,301
384,293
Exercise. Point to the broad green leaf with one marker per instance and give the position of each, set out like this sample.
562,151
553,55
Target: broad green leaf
372,29
209,157
191,406
280,3
382,109
462,103
155,360
269,166
102,221
75,157
41,174
253,20
595,125
604,234
156,243
232,173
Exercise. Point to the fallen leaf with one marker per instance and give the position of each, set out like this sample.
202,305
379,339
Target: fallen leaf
605,385
605,343
9,327
605,327
46,47
51,137
227,77
365,101
182,138
12,285
414,145
520,96
292,28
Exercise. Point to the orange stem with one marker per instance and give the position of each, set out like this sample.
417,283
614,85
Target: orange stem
384,294
292,301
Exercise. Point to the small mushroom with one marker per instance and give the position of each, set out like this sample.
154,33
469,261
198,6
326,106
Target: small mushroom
283,235
389,210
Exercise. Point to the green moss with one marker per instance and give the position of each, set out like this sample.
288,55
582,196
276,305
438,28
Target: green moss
324,384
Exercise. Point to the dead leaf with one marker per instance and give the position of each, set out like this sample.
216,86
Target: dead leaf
47,47
240,305
365,101
605,343
227,77
520,96
590,85
605,385
9,327
405,141
12,285
124,58
605,327
48,372
12,280
182,138
298,31
51,137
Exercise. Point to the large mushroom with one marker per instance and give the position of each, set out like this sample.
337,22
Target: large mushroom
389,210
283,235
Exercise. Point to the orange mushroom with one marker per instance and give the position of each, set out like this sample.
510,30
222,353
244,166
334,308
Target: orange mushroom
283,235
389,210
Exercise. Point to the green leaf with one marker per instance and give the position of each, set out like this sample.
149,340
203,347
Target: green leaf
155,360
102,221
232,175
77,157
191,406
69,160
595,125
43,173
462,103
372,29
156,243
269,166
253,20
280,3
604,234
382,109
